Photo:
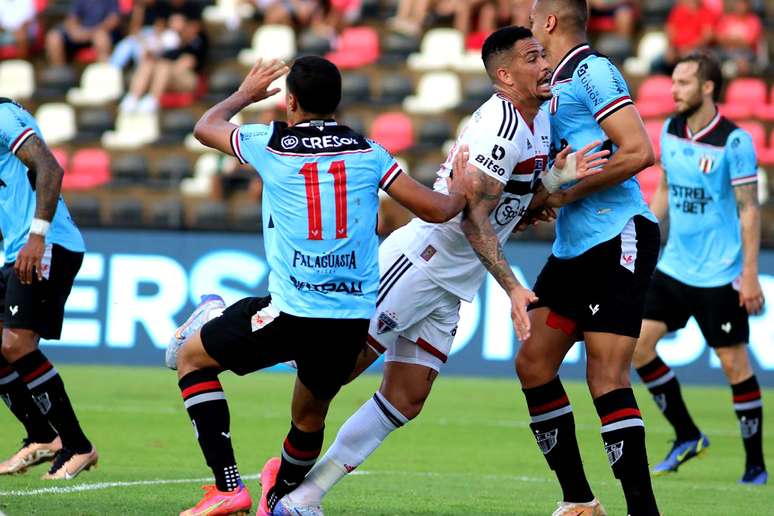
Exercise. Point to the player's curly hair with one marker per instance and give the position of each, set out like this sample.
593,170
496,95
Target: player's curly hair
316,84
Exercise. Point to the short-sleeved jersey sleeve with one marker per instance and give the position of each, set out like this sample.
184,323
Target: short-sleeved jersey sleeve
601,87
742,163
14,127
490,143
388,169
248,143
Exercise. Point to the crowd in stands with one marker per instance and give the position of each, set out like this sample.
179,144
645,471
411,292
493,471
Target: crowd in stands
118,84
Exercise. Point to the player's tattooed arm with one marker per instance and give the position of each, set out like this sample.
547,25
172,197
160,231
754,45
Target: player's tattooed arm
750,291
214,127
483,195
45,172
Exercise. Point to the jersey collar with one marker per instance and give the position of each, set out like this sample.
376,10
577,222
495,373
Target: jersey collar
566,66
703,131
319,124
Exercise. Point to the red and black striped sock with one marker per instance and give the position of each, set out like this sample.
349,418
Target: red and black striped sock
748,406
207,407
665,389
553,426
48,393
623,433
19,399
299,453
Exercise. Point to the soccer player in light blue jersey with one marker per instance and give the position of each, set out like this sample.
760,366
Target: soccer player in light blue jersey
320,200
709,269
43,253
594,284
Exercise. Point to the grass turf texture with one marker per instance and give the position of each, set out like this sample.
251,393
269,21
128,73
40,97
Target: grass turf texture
470,452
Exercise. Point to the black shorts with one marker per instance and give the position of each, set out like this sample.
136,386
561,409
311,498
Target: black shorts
325,350
721,320
603,289
39,306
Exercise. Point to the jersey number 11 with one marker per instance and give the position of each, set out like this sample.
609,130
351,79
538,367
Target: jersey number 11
314,211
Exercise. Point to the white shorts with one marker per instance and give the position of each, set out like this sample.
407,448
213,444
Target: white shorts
412,306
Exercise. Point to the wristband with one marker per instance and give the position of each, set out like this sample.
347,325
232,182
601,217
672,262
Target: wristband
39,227
556,177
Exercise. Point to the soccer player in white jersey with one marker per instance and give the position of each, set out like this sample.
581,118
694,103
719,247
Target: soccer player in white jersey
426,269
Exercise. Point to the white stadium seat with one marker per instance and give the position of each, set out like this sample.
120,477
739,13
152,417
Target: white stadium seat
133,130
17,79
275,100
100,83
441,48
436,93
228,12
57,122
270,42
652,46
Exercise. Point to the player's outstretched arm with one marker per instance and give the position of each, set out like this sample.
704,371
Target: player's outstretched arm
635,152
214,129
750,291
44,167
483,195
429,205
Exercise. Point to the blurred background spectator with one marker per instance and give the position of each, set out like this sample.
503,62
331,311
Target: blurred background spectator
17,24
739,35
90,23
147,33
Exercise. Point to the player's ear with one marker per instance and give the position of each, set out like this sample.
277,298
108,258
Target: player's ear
708,88
550,23
291,102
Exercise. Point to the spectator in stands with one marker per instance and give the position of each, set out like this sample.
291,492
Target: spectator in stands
17,20
90,23
411,14
147,33
614,16
177,69
739,34
690,27
477,19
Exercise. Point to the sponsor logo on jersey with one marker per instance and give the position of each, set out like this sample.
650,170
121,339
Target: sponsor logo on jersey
288,142
509,209
327,142
386,322
498,152
726,327
326,261
489,164
353,288
428,253
689,199
705,164
614,452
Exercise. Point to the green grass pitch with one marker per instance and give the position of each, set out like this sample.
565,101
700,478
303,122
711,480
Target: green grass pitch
470,452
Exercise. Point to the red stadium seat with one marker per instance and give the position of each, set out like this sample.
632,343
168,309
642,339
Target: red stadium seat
758,134
654,96
357,46
766,156
86,55
649,180
653,127
743,98
766,112
90,168
183,99
62,158
394,131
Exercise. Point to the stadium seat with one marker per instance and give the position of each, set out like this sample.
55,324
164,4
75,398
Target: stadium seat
432,134
441,48
92,124
133,130
275,101
354,122
210,215
394,88
90,169
175,126
653,128
475,91
426,171
355,88
129,169
651,46
100,83
54,83
85,55
247,217
743,98
649,180
226,45
125,212
17,79
222,83
436,92
166,214
766,156
394,131
654,96
397,47
85,211
470,62
758,134
207,166
57,122
356,47
270,42
447,146
63,158
310,43
171,169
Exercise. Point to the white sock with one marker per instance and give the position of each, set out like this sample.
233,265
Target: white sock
358,437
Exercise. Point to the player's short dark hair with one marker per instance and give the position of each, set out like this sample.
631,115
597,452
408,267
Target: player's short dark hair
502,40
316,84
709,70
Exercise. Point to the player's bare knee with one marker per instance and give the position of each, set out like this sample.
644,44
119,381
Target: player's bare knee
603,378
735,362
16,343
531,370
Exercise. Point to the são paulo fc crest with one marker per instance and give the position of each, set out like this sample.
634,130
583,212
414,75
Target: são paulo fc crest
386,322
553,104
705,164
